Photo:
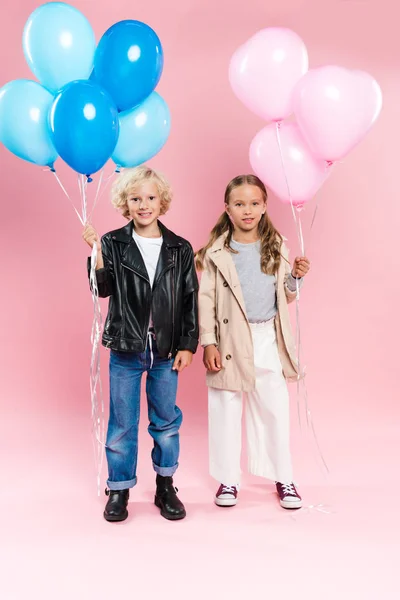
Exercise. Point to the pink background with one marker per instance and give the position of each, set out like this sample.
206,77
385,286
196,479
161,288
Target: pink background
54,539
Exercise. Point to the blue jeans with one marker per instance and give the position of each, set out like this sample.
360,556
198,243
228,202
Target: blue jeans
165,418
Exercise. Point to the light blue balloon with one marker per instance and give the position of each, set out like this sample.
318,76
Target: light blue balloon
143,131
59,45
24,125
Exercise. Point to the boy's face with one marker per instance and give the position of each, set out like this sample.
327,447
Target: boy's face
144,204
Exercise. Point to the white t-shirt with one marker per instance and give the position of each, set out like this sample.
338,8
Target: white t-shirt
150,250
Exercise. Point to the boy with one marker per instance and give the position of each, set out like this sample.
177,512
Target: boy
152,326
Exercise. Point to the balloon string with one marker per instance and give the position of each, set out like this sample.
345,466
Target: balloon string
301,372
298,346
301,236
314,215
310,423
96,391
99,191
278,137
313,509
329,165
83,190
67,195
298,231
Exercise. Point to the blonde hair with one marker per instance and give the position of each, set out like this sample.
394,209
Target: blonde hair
130,180
271,239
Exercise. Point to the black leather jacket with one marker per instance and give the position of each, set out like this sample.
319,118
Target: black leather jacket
173,299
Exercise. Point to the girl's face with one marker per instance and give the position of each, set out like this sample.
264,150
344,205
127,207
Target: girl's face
144,204
246,206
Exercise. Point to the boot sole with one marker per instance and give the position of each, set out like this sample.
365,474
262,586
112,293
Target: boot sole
112,519
168,516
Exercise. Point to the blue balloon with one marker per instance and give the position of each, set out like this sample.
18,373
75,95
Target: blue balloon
24,126
85,126
128,62
143,132
59,45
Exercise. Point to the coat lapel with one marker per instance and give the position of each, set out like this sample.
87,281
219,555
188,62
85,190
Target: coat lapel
165,262
168,251
223,260
131,257
132,260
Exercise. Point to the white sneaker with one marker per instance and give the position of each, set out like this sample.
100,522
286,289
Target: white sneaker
226,495
289,497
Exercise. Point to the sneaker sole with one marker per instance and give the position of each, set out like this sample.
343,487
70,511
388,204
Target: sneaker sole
225,502
291,505
112,519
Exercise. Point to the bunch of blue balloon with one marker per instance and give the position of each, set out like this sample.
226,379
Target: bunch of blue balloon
91,104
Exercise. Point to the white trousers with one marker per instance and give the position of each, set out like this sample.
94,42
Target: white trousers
267,419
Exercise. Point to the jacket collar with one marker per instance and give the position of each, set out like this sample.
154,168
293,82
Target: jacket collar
125,235
219,243
132,258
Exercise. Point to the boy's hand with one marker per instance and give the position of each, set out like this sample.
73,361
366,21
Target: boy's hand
212,358
301,266
91,237
182,360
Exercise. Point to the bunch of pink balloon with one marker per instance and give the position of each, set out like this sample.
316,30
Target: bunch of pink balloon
334,108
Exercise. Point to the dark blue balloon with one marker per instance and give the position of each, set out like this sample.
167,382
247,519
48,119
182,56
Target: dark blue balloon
85,126
128,62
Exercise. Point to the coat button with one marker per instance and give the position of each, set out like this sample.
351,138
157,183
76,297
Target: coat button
225,321
225,284
228,357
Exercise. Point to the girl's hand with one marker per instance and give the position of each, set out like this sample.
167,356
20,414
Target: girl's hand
182,360
301,267
212,358
91,237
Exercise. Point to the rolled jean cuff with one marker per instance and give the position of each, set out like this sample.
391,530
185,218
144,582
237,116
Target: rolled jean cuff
121,485
165,471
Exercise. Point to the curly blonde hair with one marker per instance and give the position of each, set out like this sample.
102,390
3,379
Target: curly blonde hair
271,239
130,180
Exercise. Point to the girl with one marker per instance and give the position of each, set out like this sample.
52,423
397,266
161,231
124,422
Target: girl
248,345
152,326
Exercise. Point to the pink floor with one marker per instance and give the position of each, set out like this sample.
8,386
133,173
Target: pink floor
55,543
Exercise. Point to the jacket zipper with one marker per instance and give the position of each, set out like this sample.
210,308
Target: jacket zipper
173,303
144,278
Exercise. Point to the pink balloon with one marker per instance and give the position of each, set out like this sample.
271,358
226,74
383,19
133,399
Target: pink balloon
335,108
264,71
305,174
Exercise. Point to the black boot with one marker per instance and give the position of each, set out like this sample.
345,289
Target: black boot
167,500
116,507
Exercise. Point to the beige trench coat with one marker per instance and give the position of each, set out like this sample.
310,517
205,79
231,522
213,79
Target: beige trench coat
223,321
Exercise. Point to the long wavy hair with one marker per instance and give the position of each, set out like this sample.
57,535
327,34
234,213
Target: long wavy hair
271,239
